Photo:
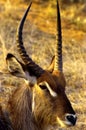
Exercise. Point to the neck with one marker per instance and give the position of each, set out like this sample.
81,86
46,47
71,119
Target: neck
20,109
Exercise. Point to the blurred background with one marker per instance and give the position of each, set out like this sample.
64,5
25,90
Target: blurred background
39,37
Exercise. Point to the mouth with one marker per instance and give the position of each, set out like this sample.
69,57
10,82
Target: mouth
65,123
61,123
69,120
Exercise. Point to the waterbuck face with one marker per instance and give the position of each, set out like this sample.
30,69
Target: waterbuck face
51,102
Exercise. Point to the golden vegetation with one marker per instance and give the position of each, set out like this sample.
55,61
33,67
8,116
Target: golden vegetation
39,34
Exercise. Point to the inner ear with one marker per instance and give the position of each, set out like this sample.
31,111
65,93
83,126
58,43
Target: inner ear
51,67
14,66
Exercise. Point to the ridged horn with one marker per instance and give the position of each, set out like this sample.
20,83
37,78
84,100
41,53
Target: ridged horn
33,68
58,52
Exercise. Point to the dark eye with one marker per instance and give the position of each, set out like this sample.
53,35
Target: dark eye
42,86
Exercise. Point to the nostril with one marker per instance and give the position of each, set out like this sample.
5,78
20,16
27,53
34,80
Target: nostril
71,118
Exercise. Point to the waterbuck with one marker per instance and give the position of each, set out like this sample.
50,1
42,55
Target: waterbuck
41,102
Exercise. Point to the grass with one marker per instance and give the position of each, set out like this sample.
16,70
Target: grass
39,34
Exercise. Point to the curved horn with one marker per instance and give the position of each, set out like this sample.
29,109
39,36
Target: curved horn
33,68
58,52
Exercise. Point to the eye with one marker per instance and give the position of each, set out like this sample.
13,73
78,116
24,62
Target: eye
42,86
45,86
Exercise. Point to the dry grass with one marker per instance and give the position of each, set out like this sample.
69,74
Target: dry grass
39,34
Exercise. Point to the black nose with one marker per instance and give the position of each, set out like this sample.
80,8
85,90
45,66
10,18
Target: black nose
71,118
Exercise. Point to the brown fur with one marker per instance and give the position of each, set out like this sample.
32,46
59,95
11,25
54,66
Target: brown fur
49,108
20,109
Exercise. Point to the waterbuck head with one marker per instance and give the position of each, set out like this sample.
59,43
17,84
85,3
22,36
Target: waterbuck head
50,104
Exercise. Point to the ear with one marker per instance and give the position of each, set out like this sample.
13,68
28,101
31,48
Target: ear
15,67
51,67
